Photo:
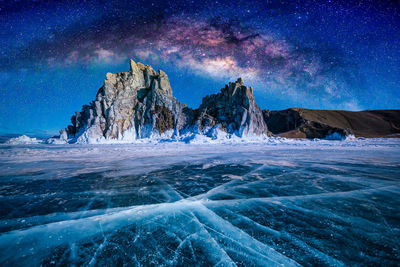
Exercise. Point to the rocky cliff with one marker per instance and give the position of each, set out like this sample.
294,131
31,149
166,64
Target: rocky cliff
233,110
130,105
139,104
309,123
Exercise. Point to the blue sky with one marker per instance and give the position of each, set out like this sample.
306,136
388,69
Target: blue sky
313,54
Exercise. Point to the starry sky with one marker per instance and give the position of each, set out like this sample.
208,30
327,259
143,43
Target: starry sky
338,54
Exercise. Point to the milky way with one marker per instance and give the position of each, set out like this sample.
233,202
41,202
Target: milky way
332,54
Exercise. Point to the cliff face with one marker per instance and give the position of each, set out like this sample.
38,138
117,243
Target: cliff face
139,104
233,110
129,105
308,123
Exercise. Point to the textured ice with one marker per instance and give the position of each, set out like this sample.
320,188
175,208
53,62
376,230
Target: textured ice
282,202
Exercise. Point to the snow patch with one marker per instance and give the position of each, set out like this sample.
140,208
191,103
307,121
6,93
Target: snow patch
24,140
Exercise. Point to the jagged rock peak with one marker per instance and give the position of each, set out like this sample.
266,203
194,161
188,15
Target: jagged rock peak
234,110
141,75
139,104
130,105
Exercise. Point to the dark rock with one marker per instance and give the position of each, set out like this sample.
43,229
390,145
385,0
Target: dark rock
164,118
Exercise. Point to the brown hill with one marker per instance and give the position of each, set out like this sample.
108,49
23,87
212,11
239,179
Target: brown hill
309,123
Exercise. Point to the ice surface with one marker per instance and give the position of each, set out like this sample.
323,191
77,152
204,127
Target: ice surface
276,202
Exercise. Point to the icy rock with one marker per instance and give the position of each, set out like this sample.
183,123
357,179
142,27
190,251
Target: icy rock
55,141
139,104
234,109
132,104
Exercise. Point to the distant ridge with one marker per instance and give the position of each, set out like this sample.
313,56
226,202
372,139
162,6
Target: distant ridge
312,123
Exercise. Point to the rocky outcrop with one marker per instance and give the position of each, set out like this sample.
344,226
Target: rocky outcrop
308,123
130,105
233,110
139,104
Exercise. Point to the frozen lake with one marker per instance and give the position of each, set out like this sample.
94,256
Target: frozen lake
283,202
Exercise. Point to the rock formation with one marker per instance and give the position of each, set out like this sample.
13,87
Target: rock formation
130,105
139,104
233,110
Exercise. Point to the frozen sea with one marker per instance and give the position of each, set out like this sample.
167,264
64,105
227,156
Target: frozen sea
281,202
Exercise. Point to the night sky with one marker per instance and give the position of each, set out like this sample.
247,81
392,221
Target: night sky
313,54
